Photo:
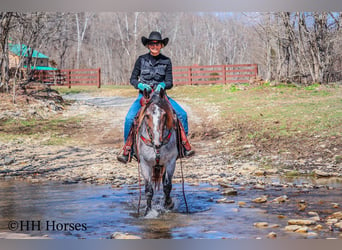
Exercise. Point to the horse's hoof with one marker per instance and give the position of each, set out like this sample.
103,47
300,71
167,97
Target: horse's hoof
169,204
147,211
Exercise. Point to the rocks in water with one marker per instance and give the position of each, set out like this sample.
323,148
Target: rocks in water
259,186
315,216
338,225
336,215
225,200
280,199
321,174
261,199
229,191
124,236
261,224
241,204
225,184
301,222
272,235
335,205
302,205
297,228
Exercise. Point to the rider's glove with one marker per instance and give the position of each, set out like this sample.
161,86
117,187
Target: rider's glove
160,86
143,86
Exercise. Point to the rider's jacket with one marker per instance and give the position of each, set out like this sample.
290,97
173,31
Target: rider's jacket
152,70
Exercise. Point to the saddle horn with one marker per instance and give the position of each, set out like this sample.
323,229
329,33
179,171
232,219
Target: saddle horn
162,93
146,94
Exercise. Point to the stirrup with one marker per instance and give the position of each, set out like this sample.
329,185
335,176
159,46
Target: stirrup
189,153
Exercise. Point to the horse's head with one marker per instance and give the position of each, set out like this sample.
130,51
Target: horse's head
158,117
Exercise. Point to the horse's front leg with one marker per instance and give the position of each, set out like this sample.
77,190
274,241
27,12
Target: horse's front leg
167,187
149,195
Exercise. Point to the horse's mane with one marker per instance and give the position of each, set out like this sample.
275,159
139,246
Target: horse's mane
162,103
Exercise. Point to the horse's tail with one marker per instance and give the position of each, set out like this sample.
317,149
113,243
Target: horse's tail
157,175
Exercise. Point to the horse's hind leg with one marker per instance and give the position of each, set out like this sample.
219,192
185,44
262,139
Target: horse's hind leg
149,195
167,187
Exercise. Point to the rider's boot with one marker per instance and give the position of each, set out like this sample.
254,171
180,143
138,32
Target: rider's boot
185,142
127,149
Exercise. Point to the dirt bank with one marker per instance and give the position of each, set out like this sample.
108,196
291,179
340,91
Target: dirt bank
89,153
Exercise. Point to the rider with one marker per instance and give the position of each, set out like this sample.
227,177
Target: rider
153,71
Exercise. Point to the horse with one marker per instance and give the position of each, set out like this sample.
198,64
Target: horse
156,146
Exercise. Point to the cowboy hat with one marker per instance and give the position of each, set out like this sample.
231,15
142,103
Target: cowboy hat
154,36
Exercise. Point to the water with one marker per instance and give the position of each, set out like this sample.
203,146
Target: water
69,211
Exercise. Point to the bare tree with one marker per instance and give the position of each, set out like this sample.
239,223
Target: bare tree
5,26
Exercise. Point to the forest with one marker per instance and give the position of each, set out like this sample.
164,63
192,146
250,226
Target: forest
300,47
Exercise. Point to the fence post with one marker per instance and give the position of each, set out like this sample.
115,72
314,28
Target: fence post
224,73
69,82
99,77
189,76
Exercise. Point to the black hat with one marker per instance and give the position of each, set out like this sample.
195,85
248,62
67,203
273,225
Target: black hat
154,36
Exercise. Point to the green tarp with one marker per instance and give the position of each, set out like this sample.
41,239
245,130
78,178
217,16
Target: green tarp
15,48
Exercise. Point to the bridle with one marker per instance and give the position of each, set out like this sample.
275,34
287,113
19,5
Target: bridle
149,141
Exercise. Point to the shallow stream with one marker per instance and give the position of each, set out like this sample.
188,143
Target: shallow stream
96,211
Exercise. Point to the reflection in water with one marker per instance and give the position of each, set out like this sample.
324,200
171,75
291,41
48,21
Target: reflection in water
97,211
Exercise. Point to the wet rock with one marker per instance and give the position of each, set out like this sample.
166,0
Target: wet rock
229,191
315,216
259,186
338,225
312,235
241,204
335,205
302,205
260,224
281,216
225,185
301,222
225,200
336,215
303,229
332,221
318,227
210,189
261,199
272,235
292,228
124,236
321,174
280,199
297,228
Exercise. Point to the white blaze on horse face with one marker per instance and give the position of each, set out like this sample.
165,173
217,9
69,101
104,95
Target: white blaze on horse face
156,114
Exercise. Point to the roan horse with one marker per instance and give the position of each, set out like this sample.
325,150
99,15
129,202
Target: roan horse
156,146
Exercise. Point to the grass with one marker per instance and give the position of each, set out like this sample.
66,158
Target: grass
56,131
280,110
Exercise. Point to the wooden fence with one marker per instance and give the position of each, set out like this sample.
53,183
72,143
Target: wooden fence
237,73
69,77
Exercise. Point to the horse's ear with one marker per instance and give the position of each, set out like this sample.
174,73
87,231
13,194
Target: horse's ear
146,94
162,93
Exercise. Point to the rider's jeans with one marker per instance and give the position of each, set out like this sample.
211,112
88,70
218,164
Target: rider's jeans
181,114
